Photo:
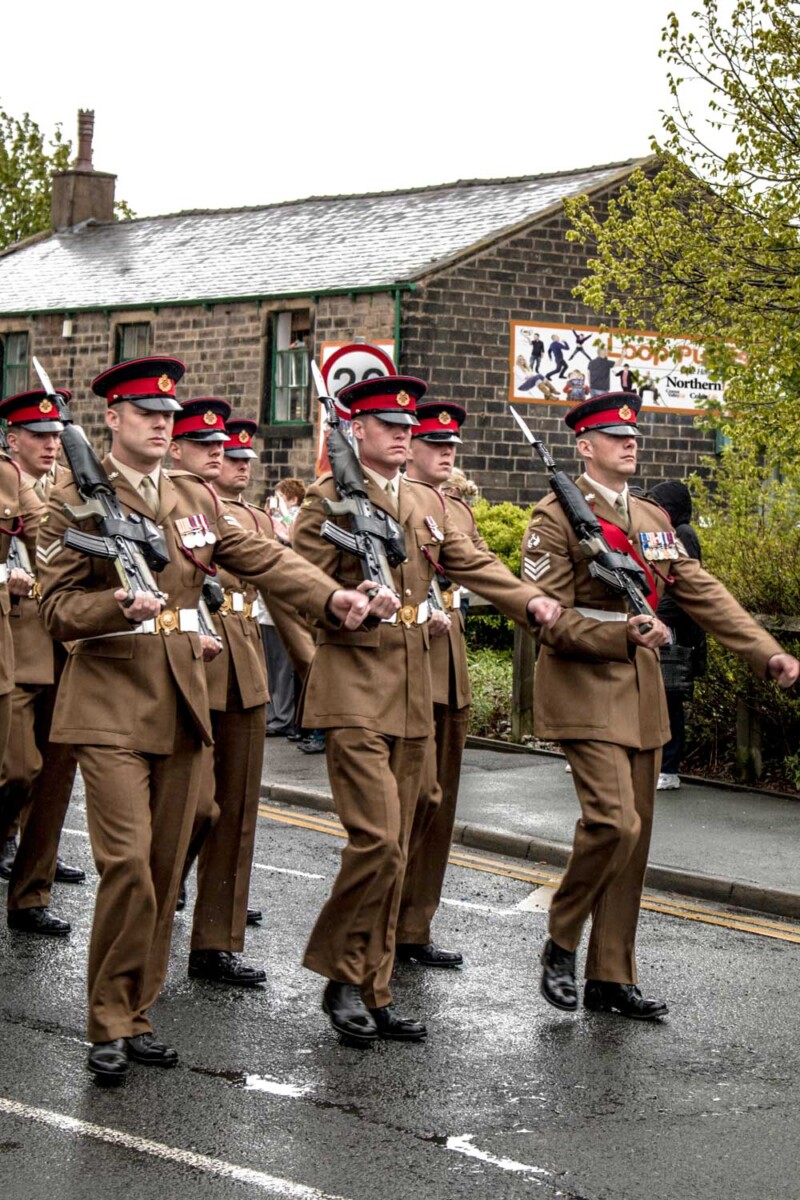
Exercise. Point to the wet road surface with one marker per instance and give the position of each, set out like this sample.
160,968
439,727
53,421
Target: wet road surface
507,1098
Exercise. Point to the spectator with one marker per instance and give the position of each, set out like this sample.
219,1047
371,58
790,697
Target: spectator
685,661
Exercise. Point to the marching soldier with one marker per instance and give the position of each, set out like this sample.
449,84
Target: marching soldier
37,775
431,458
599,692
133,699
371,691
20,513
237,693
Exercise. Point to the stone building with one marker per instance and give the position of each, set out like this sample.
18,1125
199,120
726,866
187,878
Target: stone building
244,296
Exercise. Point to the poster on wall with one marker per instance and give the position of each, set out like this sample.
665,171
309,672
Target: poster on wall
562,364
345,363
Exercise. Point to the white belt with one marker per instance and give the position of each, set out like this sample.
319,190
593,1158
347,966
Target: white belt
410,614
236,602
182,620
452,599
602,614
3,573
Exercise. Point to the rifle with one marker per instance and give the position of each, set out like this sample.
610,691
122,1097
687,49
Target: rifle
18,557
619,572
135,544
374,537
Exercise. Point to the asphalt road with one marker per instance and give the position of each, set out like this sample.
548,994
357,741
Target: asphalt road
506,1099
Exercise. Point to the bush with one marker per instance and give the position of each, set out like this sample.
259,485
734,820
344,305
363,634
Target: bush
502,526
491,674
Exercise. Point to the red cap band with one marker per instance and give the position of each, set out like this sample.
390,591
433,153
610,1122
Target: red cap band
610,416
205,422
157,385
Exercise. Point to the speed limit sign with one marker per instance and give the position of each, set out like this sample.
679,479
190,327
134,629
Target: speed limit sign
343,365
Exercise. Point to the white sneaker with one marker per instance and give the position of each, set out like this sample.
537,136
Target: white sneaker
668,783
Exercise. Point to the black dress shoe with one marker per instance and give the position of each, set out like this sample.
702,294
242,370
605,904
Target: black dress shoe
8,852
396,1028
223,966
284,731
622,998
143,1048
180,903
254,916
427,955
37,920
108,1062
348,1014
67,874
558,977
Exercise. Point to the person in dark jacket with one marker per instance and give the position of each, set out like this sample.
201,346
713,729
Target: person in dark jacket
675,498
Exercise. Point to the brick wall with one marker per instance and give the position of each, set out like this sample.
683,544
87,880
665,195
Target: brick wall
455,334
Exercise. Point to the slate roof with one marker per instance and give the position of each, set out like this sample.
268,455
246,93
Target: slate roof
306,246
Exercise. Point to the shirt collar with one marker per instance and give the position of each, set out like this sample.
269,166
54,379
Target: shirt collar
135,478
608,494
383,484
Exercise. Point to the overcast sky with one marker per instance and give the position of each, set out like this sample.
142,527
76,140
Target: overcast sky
203,105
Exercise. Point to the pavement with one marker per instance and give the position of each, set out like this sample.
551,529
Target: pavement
728,845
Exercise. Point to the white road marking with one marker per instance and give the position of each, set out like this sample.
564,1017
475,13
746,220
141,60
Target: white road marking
539,900
258,1083
286,871
186,1158
463,1145
487,908
75,832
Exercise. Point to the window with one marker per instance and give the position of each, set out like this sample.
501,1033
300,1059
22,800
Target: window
132,341
14,351
288,354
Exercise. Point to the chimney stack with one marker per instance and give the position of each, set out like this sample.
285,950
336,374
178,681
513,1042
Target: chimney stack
81,193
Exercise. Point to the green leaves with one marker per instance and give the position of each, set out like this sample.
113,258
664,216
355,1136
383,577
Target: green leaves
27,163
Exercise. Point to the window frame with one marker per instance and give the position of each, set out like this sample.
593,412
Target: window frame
21,366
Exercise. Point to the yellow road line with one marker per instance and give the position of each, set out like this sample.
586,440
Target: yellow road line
542,876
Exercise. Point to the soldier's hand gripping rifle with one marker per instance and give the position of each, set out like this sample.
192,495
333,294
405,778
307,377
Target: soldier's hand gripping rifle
135,544
374,536
18,557
619,572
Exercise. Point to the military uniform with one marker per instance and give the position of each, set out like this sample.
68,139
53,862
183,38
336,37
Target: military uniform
370,689
432,833
601,696
37,775
134,703
20,511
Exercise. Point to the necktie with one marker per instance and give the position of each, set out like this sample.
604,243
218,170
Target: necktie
149,492
622,511
40,487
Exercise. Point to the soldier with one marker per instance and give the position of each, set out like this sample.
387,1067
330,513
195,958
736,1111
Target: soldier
37,775
133,698
599,692
371,691
431,457
20,512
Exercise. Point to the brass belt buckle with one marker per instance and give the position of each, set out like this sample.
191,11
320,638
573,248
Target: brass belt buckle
225,607
447,600
167,621
408,614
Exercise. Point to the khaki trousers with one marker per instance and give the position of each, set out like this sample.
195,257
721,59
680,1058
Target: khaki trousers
616,788
5,724
375,780
432,831
37,779
139,809
226,856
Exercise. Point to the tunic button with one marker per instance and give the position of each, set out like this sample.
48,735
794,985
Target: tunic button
408,591
6,512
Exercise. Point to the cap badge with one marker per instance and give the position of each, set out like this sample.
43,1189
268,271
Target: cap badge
444,418
244,436
403,399
45,406
210,417
625,413
164,383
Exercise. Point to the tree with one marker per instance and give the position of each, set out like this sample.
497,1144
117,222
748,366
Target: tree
27,165
705,241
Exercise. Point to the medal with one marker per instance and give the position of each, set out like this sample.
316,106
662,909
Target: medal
434,528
